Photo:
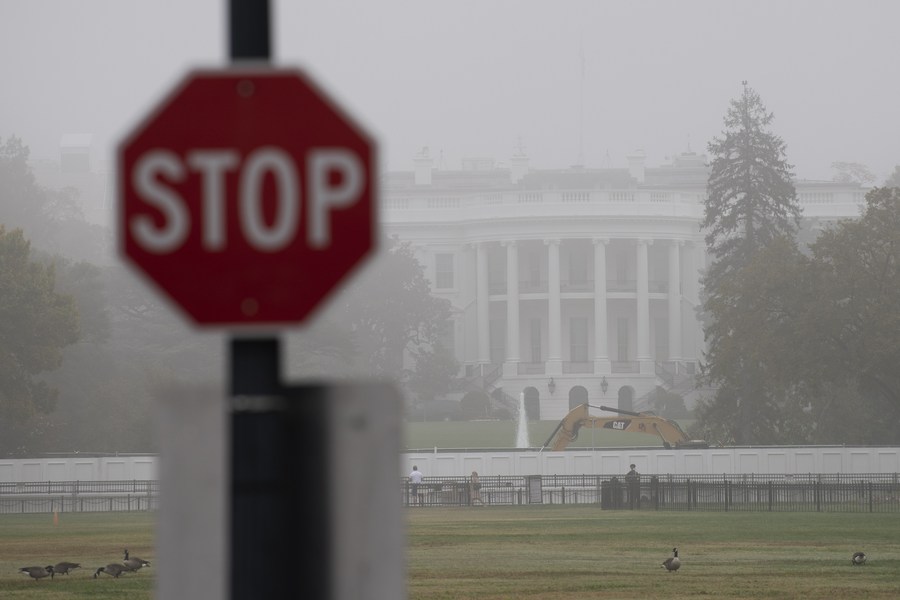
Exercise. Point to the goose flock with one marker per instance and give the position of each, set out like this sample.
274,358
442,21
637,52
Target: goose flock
673,563
129,564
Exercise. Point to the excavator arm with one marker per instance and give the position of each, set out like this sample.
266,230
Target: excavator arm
668,431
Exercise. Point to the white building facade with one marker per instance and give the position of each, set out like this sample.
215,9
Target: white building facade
571,286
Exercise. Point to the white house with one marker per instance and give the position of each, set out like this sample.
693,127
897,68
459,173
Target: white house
574,285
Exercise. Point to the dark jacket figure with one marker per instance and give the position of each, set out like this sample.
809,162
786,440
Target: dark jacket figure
633,484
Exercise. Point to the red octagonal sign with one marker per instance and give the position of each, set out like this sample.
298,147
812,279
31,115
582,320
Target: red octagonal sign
247,196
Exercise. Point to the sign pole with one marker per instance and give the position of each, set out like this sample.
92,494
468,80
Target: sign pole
213,218
279,484
248,27
280,521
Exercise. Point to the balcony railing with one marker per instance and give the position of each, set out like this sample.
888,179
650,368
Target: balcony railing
617,285
533,287
531,368
498,288
577,286
577,367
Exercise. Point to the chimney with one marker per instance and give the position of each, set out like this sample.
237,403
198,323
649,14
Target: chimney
636,165
423,163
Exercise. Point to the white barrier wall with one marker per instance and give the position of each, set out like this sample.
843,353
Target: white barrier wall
761,460
108,468
649,461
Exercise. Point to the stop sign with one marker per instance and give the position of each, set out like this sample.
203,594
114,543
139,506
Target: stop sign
246,196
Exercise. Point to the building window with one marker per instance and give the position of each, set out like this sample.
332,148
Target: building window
498,341
496,273
621,269
536,341
577,268
661,335
622,339
443,271
534,270
578,339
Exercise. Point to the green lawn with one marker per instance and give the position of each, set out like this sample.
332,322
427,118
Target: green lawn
92,539
502,434
531,552
549,553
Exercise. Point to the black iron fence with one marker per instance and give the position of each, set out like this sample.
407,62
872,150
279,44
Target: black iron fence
873,492
78,496
876,492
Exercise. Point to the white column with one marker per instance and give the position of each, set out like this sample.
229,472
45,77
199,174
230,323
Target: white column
692,333
674,299
601,335
554,309
643,308
512,307
482,306
691,273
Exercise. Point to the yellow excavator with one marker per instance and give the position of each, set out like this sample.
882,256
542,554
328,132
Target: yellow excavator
668,431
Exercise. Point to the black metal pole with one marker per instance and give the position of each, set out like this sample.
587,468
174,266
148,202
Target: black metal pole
257,437
248,30
280,533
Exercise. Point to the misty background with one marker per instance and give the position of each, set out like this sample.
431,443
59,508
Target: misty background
573,83
470,78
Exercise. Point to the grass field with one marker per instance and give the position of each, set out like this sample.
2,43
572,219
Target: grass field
531,552
92,539
579,552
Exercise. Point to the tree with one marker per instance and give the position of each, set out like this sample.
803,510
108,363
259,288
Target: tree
668,404
756,312
51,220
894,179
37,323
386,324
822,334
475,405
23,202
751,198
751,205
854,324
850,172
433,374
391,313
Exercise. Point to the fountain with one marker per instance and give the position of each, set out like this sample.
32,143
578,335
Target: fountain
522,429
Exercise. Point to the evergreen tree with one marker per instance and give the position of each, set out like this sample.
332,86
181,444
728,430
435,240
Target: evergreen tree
751,198
37,323
751,203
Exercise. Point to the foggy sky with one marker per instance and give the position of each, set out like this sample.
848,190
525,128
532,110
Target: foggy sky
471,77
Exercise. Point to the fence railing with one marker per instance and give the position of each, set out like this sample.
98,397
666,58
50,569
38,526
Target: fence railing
877,492
833,492
78,496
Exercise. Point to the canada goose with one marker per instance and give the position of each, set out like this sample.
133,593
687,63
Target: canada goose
134,563
64,567
114,569
858,558
38,572
673,562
